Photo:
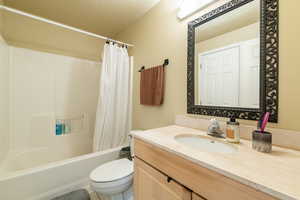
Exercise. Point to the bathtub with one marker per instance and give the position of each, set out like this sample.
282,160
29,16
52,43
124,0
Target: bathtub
19,181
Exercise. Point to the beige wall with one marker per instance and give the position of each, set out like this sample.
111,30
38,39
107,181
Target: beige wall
25,32
159,34
246,33
1,19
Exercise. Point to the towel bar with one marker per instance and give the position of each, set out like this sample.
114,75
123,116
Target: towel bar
166,62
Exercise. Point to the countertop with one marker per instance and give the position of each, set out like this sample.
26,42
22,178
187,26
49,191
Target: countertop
276,173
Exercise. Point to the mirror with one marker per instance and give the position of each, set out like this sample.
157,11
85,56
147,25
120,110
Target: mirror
227,60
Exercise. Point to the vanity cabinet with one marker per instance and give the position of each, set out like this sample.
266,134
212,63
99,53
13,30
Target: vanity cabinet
150,184
161,175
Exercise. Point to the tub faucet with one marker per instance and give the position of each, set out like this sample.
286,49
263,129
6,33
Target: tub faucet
214,129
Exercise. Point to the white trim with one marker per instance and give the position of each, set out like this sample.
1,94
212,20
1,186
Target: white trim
60,24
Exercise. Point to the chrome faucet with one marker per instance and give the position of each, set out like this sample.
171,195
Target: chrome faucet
214,129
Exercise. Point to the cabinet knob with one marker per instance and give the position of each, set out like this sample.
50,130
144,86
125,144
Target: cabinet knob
169,179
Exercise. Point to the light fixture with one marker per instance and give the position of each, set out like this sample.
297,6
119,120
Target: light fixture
189,7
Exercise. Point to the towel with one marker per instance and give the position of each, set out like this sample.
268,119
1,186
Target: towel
152,86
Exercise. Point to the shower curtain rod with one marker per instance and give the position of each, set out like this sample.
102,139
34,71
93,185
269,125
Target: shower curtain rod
61,25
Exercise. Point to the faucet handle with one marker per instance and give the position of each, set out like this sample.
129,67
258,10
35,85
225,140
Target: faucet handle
215,123
214,128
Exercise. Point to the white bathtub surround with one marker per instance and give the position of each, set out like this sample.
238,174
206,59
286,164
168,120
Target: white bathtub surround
39,88
113,121
280,137
36,157
45,86
55,179
4,99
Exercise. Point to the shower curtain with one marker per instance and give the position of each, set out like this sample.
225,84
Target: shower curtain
113,119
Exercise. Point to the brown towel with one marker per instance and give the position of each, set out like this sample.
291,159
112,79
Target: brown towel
152,86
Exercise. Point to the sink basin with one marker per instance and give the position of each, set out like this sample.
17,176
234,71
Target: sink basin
203,143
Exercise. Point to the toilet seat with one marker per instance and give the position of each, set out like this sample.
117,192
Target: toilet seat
116,186
113,171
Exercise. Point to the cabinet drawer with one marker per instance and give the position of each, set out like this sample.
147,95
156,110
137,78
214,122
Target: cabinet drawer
207,183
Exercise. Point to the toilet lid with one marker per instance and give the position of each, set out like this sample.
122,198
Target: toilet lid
112,171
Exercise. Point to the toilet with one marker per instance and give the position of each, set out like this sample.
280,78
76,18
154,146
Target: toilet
114,180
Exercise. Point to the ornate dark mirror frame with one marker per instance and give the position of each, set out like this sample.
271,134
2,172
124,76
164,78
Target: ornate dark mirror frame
268,64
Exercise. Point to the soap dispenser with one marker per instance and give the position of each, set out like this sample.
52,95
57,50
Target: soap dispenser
233,131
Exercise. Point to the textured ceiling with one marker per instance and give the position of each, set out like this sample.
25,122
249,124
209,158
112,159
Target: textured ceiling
105,17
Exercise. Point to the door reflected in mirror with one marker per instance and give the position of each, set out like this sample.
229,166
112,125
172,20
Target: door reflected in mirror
227,59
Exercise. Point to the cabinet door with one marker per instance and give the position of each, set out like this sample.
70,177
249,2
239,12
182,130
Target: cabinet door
150,184
196,197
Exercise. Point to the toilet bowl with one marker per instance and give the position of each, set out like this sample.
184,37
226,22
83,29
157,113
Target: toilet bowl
113,180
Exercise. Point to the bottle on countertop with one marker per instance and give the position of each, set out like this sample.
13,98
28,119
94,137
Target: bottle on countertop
233,131
59,130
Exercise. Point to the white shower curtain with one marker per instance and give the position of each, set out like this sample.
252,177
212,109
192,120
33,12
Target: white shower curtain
113,120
